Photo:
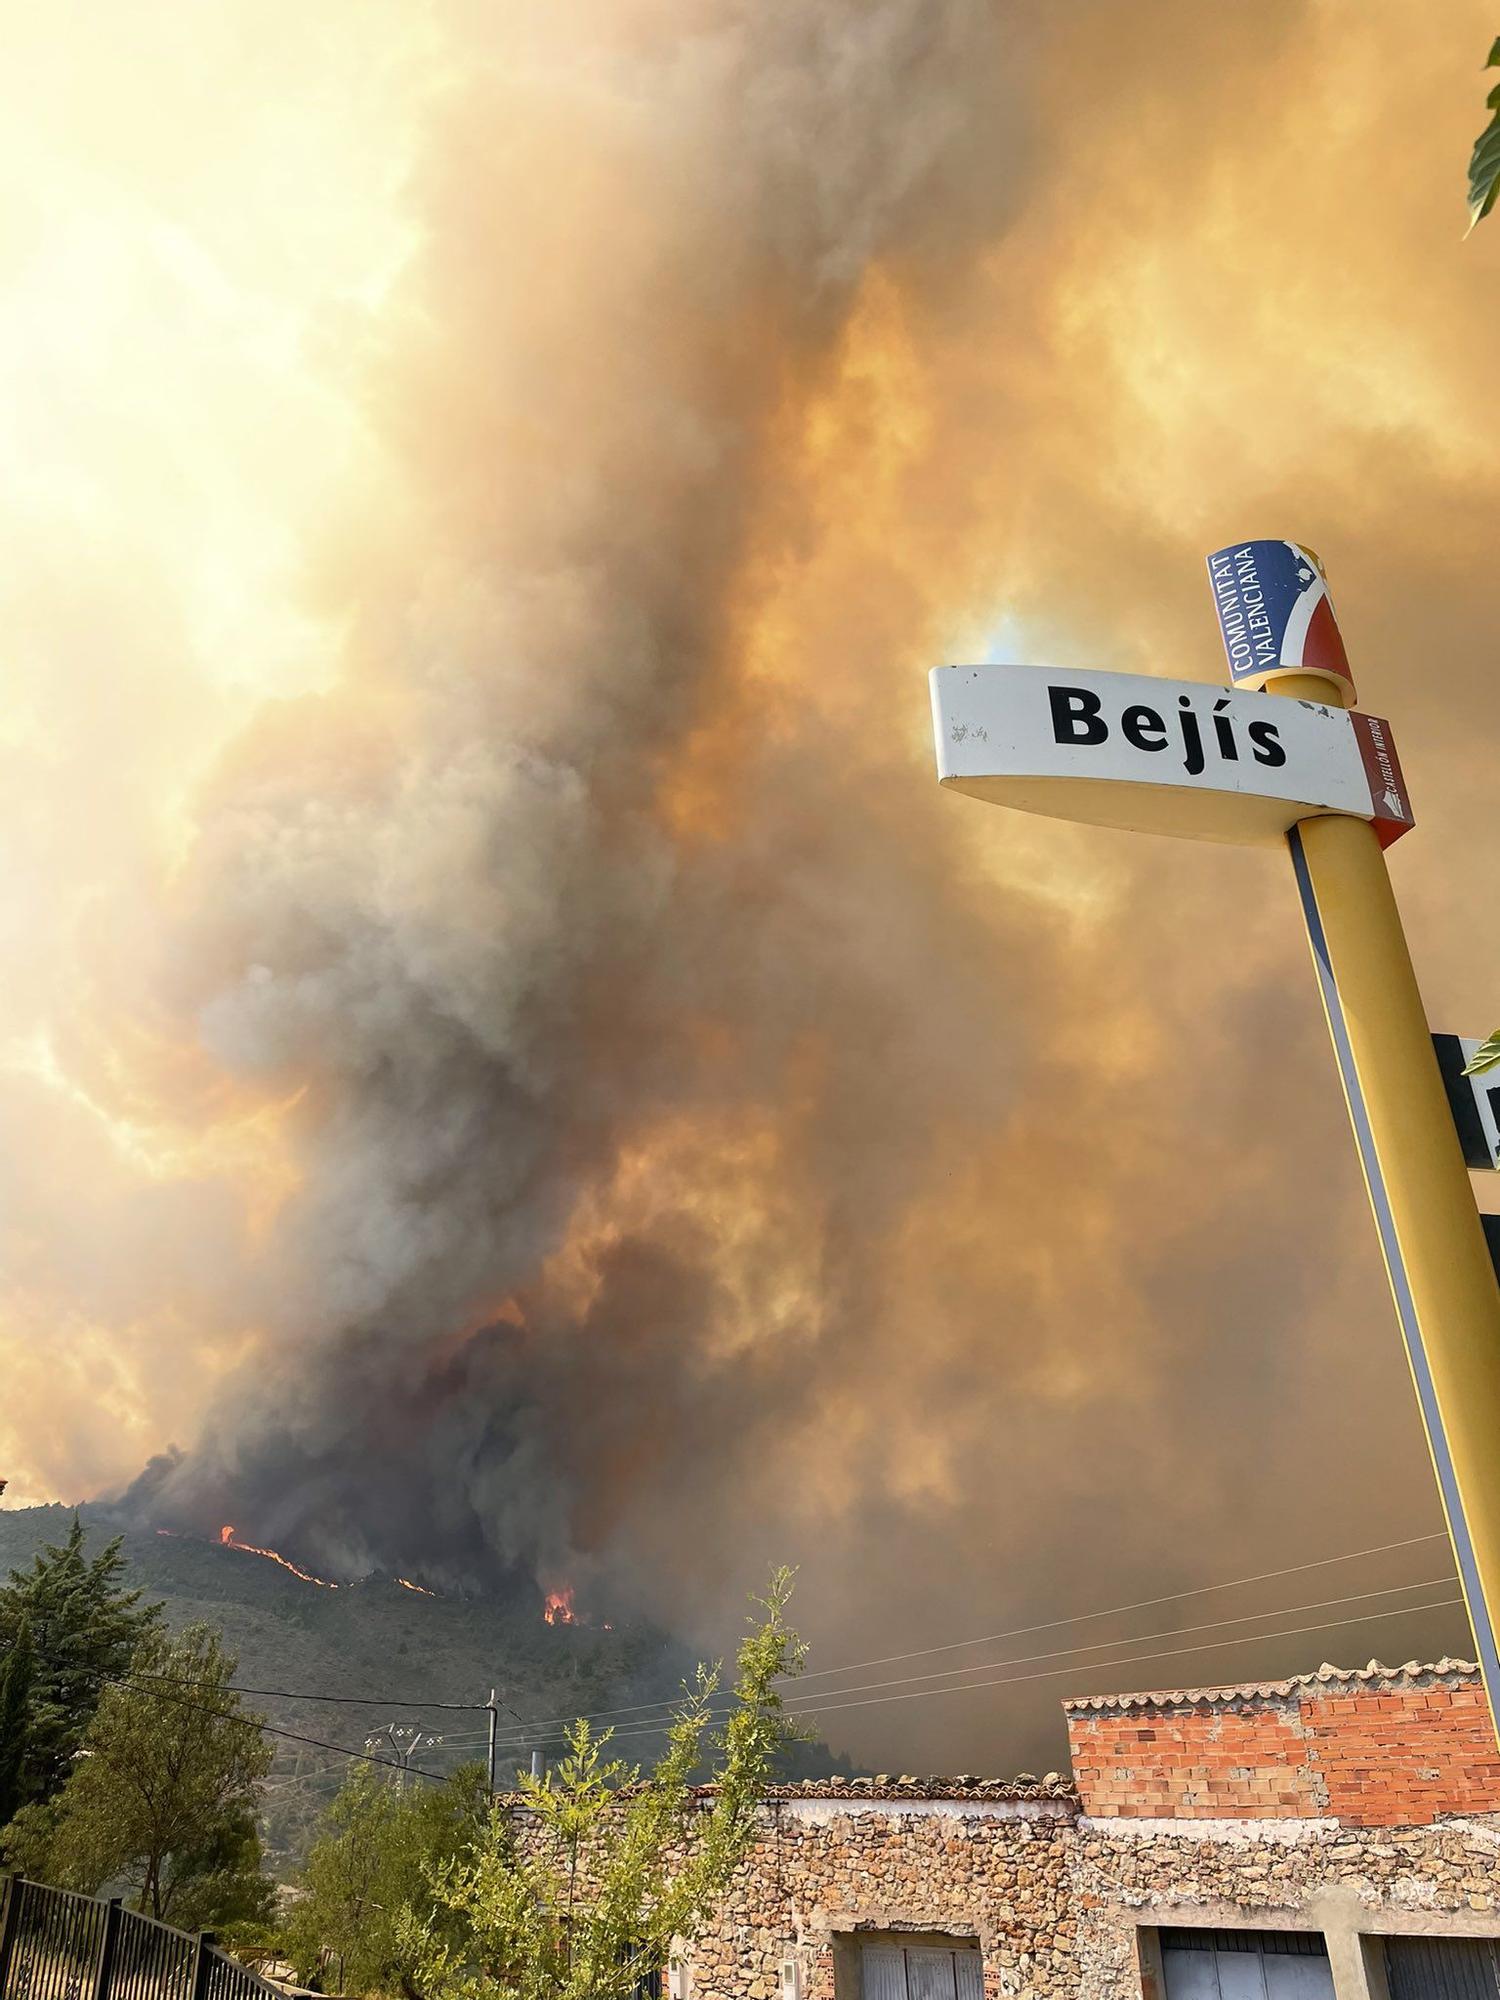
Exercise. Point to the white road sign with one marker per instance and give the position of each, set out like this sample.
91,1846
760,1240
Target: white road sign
1161,756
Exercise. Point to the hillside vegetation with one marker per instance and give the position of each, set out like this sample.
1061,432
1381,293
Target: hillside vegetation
388,1645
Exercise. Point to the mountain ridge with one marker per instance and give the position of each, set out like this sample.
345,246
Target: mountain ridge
392,1654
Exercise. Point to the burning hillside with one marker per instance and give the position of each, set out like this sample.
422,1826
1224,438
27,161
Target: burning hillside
558,1605
227,1538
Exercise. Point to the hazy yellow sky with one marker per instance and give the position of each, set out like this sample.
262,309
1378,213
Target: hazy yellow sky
483,487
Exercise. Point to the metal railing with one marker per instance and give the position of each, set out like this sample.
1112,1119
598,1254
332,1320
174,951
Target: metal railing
55,1945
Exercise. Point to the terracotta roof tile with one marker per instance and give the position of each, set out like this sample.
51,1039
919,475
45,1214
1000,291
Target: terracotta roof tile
885,1788
965,1786
1327,1680
895,1789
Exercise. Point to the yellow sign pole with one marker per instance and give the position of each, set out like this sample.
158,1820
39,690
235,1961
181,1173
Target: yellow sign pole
1062,744
1444,1286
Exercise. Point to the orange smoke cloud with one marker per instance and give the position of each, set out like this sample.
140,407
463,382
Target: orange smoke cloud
477,829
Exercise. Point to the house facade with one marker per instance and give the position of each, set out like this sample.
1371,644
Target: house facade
1334,1836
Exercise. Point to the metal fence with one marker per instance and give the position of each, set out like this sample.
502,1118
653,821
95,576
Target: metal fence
55,1945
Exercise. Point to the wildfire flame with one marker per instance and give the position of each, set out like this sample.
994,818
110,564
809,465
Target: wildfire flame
558,1610
228,1539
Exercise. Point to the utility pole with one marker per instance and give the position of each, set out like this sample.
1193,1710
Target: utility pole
493,1707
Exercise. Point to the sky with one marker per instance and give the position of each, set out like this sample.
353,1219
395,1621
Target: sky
508,1060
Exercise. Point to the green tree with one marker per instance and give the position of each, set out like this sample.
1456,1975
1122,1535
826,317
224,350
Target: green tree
583,1899
1487,1055
1484,161
84,1625
162,1799
376,1852
17,1681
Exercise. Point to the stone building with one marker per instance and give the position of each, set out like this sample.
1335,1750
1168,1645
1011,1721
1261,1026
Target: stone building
1335,1836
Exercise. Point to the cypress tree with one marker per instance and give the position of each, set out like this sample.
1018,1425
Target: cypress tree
84,1627
17,1678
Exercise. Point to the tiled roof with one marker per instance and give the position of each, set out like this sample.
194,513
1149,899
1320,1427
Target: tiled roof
1024,1786
1327,1680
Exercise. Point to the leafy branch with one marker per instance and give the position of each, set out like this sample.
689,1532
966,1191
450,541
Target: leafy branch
1484,161
578,1891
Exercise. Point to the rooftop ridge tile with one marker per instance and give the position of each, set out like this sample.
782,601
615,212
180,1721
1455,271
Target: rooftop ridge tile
1324,1679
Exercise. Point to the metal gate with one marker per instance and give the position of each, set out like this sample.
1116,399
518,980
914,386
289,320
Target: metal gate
55,1945
1245,1965
1430,1968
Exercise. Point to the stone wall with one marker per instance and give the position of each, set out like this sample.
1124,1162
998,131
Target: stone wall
1067,1906
835,1869
1355,1803
1297,1874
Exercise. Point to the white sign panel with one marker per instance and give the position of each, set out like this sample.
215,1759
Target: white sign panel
1161,756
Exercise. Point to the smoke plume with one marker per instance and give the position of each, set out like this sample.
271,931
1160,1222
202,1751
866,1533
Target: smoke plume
515,1061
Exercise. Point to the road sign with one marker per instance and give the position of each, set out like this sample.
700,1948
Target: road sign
1276,617
1161,756
1241,765
1474,1100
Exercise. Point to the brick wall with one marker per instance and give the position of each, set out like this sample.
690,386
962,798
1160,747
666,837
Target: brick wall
1405,1758
1397,1748
1206,1763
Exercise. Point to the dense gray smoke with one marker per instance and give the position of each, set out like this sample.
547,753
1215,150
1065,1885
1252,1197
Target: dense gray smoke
546,877
709,1145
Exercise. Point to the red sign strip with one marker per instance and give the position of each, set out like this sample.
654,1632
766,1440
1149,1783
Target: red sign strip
1389,799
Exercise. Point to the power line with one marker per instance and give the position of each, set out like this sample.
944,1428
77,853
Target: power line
827,1707
1145,1604
1170,1653
1052,1624
282,1785
1054,1673
269,1729
1094,1645
887,1659
343,1700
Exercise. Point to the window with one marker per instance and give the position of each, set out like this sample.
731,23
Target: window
648,1984
1430,1968
1245,1965
921,1972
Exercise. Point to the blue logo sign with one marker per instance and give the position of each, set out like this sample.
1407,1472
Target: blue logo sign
1276,616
